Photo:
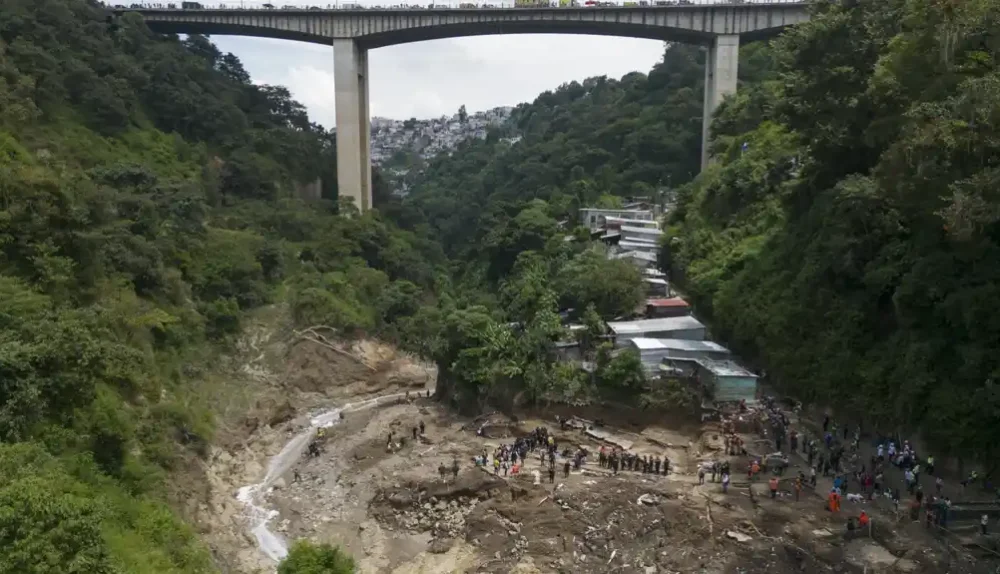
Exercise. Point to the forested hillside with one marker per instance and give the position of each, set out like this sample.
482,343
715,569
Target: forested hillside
147,205
852,248
849,248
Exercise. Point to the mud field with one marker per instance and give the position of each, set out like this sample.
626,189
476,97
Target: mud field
386,503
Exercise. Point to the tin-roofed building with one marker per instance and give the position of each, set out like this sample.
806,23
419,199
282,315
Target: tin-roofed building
635,233
640,259
662,307
652,352
727,381
593,217
667,328
611,222
643,246
656,287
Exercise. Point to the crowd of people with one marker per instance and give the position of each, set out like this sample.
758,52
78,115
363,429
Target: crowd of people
616,459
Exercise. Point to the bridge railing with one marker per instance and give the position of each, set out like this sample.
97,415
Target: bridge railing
452,4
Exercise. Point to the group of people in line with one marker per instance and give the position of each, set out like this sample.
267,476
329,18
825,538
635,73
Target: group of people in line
616,459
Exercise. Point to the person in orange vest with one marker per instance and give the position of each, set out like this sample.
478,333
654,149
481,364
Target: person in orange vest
754,469
773,483
833,502
863,520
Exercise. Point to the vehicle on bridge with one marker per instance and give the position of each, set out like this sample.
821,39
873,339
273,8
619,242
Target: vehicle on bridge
191,6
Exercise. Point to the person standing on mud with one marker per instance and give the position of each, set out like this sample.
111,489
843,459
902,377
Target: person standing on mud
725,482
552,474
566,469
388,442
656,465
421,427
454,467
414,434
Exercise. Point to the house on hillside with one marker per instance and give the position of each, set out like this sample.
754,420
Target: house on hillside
727,380
640,259
686,327
719,377
594,217
616,223
653,352
636,233
656,288
643,246
672,307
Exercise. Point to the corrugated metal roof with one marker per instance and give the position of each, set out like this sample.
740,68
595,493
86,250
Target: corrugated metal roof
725,368
656,281
637,255
653,325
643,230
637,245
671,302
647,344
611,219
654,272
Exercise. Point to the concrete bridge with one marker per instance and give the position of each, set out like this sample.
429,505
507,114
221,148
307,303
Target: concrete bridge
352,32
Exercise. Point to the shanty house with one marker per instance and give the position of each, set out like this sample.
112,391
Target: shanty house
656,287
638,233
686,327
672,307
653,352
726,380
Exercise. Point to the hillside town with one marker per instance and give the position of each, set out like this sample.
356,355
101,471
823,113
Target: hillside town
670,341
427,138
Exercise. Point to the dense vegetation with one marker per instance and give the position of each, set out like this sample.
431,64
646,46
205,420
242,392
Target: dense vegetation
148,204
845,241
852,248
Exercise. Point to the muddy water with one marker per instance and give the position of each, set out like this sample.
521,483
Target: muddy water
271,544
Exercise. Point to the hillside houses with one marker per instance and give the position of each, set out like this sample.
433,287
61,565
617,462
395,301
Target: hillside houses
670,341
428,138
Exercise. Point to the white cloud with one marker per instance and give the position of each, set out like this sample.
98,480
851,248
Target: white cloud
427,79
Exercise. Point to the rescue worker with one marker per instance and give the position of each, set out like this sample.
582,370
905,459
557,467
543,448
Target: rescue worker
773,484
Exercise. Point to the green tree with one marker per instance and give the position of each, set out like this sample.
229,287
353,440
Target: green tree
305,557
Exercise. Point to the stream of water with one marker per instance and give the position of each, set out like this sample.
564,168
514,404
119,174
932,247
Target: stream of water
271,544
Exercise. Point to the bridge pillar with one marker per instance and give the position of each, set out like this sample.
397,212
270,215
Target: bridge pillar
721,65
354,165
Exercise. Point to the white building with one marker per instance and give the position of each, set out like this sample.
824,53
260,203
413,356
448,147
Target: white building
652,352
595,217
636,233
685,327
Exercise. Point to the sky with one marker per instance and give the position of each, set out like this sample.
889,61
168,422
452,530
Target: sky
435,78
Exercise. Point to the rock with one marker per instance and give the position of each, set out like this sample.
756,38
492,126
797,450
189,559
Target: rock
279,484
282,412
650,569
427,506
440,545
738,536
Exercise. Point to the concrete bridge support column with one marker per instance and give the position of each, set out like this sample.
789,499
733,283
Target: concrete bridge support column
354,165
721,65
